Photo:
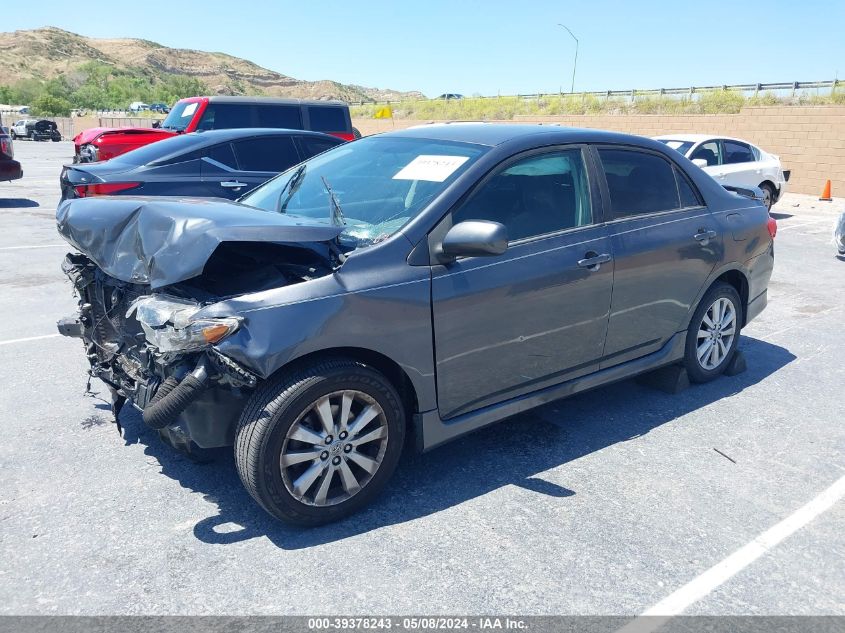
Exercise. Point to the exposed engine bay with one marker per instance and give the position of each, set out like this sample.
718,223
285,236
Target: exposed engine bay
149,350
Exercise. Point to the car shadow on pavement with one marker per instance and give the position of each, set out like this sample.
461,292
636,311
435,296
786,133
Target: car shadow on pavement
17,203
512,452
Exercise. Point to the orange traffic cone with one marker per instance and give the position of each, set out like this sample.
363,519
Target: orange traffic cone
826,193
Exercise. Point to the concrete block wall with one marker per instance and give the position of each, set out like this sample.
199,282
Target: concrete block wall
810,140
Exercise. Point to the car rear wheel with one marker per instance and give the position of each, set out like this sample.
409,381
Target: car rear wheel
32,136
317,445
768,194
713,333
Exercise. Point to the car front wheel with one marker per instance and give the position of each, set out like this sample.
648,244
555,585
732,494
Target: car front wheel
713,333
317,445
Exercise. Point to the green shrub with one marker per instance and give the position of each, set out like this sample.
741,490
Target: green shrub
48,105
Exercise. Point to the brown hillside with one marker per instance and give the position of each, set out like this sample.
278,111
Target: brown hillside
50,52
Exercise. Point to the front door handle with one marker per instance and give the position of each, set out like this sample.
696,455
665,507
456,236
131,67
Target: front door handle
593,261
704,236
232,184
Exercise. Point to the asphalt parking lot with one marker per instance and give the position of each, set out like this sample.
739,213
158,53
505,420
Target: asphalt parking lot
605,503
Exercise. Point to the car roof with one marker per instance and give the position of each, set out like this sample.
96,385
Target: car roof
273,101
233,134
492,134
697,138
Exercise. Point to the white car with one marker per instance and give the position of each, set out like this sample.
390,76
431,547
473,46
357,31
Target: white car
733,162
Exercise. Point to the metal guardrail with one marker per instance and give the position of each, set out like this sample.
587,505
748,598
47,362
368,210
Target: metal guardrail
755,89
791,87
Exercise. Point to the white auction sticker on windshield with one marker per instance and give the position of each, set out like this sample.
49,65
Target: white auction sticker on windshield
190,109
431,168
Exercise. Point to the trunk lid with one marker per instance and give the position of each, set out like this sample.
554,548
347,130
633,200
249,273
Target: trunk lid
162,241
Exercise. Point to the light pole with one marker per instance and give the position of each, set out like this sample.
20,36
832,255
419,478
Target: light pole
575,63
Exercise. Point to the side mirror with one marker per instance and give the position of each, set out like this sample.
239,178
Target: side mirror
699,162
156,124
475,238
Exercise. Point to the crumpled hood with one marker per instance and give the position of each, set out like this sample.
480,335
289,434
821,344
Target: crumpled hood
161,241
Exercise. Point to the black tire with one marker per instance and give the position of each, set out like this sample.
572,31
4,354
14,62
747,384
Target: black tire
278,404
695,370
356,132
32,136
768,195
13,135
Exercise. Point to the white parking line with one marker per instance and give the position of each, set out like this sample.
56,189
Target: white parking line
786,227
16,248
721,572
28,338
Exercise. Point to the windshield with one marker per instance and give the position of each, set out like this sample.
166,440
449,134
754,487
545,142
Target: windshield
180,116
682,146
378,184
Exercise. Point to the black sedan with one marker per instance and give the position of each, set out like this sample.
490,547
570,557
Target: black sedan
217,163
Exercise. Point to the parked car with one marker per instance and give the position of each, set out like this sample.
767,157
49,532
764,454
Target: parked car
138,106
426,282
159,107
839,234
219,163
448,96
36,130
218,113
733,162
10,169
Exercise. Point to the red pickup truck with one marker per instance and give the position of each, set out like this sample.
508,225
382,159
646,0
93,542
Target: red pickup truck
216,113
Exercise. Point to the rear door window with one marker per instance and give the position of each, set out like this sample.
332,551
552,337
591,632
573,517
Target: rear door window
639,182
736,152
279,116
266,153
313,145
327,119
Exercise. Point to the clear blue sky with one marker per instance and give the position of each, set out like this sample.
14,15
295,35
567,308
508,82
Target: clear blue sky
486,47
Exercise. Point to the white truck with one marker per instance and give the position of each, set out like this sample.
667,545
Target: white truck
40,130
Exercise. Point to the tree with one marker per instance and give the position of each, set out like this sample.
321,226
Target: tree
47,105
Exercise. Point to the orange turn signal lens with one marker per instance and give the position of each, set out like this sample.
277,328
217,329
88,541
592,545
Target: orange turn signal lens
214,333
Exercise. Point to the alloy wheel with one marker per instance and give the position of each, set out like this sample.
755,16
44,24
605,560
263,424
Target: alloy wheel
716,333
767,197
334,448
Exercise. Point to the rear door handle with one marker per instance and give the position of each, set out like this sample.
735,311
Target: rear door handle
704,236
593,260
232,184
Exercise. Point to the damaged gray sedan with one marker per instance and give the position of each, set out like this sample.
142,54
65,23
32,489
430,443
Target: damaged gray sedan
415,285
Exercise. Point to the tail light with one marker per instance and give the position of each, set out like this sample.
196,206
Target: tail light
6,147
772,225
103,189
346,136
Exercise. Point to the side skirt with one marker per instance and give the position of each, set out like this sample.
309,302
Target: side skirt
431,431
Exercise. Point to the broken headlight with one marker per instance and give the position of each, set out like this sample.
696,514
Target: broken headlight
169,325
